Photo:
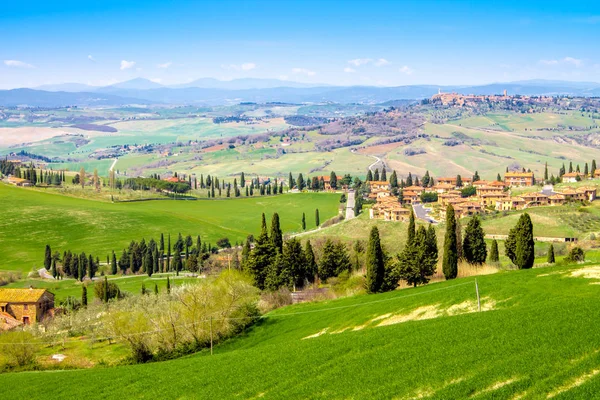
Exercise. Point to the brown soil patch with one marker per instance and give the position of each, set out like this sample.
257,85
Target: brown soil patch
214,148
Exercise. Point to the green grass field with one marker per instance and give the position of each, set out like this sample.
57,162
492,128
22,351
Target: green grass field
31,219
537,337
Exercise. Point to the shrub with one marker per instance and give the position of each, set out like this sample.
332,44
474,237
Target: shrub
22,348
106,290
576,255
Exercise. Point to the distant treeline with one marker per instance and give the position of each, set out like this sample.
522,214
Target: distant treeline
153,183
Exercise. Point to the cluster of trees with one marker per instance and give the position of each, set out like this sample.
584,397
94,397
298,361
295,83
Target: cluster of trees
153,183
426,179
78,266
9,168
588,171
317,183
273,264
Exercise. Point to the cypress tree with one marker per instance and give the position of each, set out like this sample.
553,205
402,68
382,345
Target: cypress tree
369,177
156,289
276,234
450,258
169,253
329,263
333,180
246,253
551,259
383,174
375,262
394,180
474,246
498,178
520,246
84,299
261,256
494,256
242,180
317,220
376,174
168,285
54,271
459,182
411,229
546,171
113,264
570,166
48,258
593,169
311,263
409,180
303,222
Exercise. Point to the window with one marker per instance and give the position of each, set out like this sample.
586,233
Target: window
26,307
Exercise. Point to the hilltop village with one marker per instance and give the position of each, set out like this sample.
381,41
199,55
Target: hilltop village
468,197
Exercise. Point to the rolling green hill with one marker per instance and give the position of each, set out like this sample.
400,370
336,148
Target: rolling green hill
536,337
32,219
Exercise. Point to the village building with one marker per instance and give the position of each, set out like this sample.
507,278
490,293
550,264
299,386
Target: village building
490,199
535,199
519,179
417,189
480,183
510,203
596,173
452,181
588,193
443,187
376,185
444,197
389,209
557,200
482,190
327,182
410,197
571,177
173,179
13,180
24,306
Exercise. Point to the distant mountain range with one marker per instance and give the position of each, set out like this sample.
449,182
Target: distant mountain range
209,91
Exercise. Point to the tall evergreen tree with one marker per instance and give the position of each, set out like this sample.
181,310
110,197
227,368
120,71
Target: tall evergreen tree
261,256
394,180
409,180
376,175
450,257
303,222
317,219
459,182
546,172
333,180
242,180
48,258
476,177
300,182
474,247
418,260
411,229
84,299
551,259
494,255
276,233
375,262
294,264
593,169
113,264
383,174
311,263
369,177
329,263
520,246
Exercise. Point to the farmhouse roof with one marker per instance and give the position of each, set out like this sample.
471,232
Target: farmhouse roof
21,295
572,174
518,175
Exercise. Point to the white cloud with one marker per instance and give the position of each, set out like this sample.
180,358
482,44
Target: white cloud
349,70
567,60
155,80
381,62
406,70
127,64
17,64
165,65
573,61
303,71
91,58
357,62
239,67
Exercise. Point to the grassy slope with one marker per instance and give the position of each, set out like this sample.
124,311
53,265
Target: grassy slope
32,219
540,338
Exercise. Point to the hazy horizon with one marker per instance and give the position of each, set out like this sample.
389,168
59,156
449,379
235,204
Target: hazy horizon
382,43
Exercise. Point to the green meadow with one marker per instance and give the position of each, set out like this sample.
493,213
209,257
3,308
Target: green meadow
31,219
535,337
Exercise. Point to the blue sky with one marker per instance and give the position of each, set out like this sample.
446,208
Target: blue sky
334,42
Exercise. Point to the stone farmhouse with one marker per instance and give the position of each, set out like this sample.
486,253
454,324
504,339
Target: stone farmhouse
519,179
24,306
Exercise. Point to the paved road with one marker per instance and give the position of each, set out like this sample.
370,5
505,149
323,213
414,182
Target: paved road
423,213
112,167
